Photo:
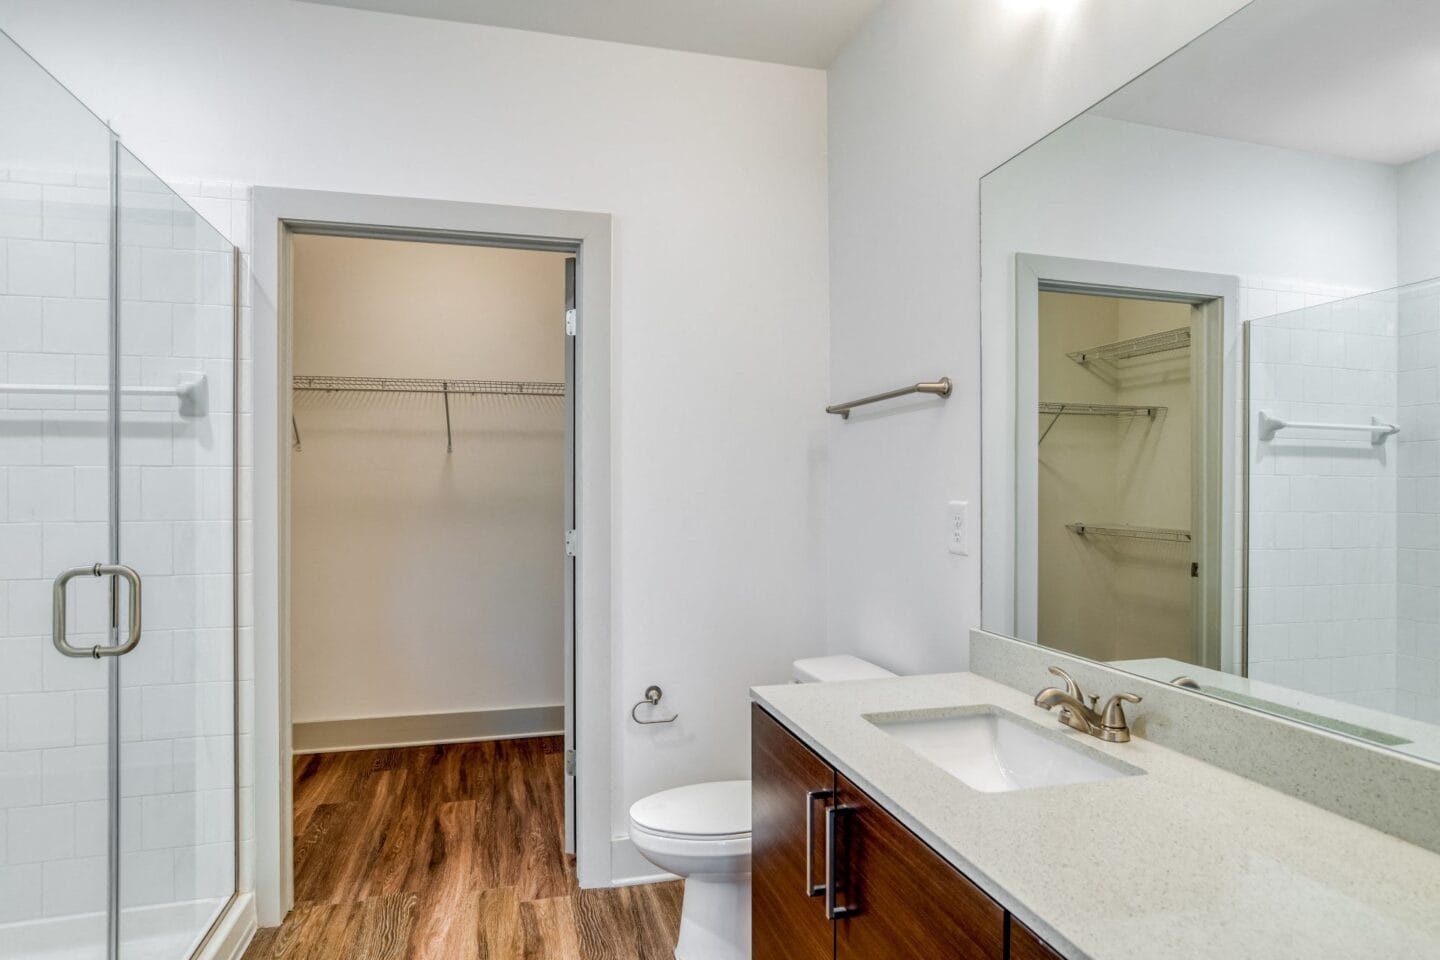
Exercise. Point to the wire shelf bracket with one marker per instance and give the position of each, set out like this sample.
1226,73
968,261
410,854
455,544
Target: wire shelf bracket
1134,533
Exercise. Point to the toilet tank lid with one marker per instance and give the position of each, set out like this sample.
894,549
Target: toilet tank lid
839,667
715,810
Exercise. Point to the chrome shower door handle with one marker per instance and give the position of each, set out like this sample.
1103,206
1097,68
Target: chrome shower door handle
812,889
132,636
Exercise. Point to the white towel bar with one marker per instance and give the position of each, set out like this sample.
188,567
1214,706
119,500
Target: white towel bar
1377,428
191,388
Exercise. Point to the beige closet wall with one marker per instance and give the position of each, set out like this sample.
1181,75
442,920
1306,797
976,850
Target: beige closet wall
426,582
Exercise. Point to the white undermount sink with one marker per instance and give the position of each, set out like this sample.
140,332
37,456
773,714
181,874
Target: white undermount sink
993,751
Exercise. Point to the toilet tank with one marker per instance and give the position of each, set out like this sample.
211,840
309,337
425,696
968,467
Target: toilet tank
839,667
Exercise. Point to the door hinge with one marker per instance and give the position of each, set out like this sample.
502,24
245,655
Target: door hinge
572,543
570,322
569,763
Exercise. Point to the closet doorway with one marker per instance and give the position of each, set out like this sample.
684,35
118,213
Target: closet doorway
1125,521
429,492
581,762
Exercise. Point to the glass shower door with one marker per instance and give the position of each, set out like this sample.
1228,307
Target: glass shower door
117,544
56,788
176,525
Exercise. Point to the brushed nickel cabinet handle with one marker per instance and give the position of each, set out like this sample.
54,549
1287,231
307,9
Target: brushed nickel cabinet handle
132,637
832,908
812,889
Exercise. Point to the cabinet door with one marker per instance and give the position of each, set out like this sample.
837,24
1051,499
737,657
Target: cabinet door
1024,945
898,899
791,788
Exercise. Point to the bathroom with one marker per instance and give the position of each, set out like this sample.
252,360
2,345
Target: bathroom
774,208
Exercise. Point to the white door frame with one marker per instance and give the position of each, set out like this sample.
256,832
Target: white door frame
1009,424
278,214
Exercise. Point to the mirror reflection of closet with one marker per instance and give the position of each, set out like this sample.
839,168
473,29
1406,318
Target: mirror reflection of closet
1115,477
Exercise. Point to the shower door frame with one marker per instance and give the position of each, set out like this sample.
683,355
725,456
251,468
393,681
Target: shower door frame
220,937
279,213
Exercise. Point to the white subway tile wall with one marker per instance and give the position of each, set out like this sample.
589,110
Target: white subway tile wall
1341,579
177,701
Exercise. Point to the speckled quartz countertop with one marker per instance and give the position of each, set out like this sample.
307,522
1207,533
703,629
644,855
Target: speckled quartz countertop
1185,862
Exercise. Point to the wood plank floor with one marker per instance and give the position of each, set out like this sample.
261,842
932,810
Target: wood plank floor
451,853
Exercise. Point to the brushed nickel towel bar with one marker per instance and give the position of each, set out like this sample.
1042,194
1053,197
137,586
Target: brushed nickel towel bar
940,388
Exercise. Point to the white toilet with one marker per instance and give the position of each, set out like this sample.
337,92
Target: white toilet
702,833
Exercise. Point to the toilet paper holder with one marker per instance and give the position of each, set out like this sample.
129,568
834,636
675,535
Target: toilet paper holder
652,696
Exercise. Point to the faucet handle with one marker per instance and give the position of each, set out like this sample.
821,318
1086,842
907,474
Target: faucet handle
1114,712
1071,687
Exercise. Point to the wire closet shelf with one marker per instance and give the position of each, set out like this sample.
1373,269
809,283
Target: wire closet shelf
1131,532
416,385
529,388
1151,343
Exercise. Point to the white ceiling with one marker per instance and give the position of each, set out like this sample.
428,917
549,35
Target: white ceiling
805,33
1353,78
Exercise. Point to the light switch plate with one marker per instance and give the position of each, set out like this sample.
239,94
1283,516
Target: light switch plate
958,518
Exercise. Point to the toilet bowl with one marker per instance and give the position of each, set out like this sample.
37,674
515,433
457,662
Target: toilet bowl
702,832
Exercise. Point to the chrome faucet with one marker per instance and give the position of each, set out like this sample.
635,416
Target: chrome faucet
1107,723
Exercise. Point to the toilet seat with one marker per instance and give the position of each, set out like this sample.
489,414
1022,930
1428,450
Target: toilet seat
714,812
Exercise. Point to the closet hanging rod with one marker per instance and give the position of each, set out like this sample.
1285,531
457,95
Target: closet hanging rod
1377,428
939,388
190,388
529,388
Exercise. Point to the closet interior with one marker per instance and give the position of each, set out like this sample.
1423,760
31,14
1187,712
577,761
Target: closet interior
1115,476
427,492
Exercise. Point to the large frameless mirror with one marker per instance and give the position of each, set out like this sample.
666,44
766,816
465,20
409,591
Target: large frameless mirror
1212,373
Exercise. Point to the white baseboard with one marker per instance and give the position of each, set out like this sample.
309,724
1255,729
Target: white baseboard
628,866
378,733
234,931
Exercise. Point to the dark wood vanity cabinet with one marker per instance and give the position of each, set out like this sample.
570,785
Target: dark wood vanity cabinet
898,898
791,786
1024,945
890,897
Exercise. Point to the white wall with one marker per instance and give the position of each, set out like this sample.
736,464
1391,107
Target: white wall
927,97
426,581
1419,209
714,171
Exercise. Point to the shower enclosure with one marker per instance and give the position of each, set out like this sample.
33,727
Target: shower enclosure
1343,523
117,543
